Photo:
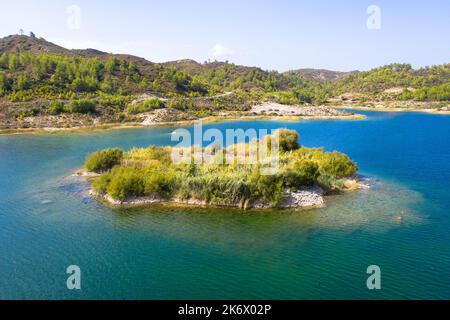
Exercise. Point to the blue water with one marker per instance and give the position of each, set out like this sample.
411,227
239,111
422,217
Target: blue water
48,222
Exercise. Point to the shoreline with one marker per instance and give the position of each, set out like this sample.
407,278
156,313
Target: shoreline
306,198
218,119
313,197
206,120
393,109
231,117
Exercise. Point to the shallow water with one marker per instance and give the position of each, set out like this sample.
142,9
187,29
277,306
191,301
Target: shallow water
48,222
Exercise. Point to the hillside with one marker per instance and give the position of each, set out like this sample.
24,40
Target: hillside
321,75
30,67
39,79
21,43
400,81
17,43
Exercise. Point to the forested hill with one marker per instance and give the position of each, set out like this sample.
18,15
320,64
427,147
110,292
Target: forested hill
401,81
321,75
32,68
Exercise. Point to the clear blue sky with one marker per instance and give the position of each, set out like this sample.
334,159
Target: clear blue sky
281,35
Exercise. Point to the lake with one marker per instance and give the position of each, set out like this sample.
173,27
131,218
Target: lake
48,222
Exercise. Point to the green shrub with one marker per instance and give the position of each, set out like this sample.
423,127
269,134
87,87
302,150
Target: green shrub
56,107
266,187
288,140
103,160
161,154
82,106
100,185
336,165
126,182
181,104
159,183
303,173
146,106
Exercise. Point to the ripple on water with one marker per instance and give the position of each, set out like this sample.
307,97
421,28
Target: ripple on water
381,208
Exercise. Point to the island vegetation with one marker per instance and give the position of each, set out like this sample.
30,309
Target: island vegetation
150,173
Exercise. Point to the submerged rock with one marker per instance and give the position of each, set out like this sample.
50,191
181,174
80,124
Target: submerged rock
305,197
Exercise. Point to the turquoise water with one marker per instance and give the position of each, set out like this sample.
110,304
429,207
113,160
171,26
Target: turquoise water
402,224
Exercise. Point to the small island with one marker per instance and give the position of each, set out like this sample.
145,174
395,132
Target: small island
145,176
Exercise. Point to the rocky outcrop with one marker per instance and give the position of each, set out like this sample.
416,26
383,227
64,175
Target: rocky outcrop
304,198
306,112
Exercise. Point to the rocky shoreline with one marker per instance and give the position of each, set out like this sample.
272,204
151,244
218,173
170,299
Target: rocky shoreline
307,197
304,198
266,110
166,117
363,103
302,112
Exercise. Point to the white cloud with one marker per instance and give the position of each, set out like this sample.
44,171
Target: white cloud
220,51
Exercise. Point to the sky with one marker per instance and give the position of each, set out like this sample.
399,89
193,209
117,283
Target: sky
281,35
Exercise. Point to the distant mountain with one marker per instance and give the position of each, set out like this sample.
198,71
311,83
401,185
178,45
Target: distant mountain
192,66
321,75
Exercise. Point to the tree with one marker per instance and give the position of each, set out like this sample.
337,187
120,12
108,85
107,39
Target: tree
111,64
22,82
56,107
143,84
103,160
13,63
288,140
107,85
82,106
4,85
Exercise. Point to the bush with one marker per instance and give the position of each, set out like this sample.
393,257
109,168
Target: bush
159,181
56,107
181,104
159,184
100,185
287,140
82,106
303,173
126,182
104,160
268,188
160,154
336,165
146,106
